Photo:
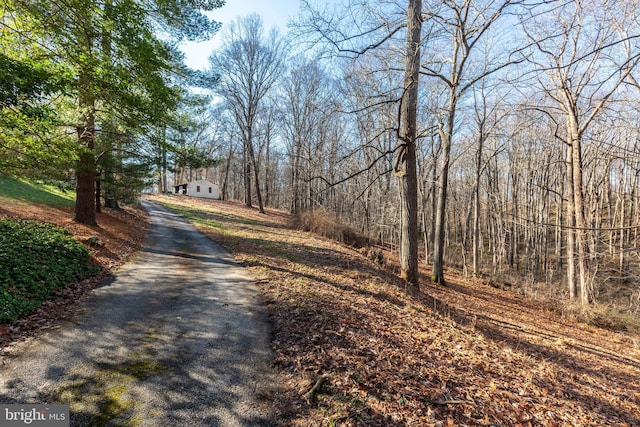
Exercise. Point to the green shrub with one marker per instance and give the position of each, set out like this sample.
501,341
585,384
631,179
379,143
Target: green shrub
36,261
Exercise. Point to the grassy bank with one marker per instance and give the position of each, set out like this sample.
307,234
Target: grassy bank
50,193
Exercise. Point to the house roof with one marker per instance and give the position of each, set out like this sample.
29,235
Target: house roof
200,181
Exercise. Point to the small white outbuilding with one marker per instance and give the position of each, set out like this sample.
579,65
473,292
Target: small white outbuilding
200,188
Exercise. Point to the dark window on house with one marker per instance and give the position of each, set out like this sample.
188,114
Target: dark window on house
198,189
209,190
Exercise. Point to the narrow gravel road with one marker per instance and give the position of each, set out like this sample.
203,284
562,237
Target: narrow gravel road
178,338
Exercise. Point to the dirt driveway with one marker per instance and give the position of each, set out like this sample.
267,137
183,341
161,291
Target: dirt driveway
178,338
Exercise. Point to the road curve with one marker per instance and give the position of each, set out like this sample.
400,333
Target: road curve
178,338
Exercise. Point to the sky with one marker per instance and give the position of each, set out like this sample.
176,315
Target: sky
273,12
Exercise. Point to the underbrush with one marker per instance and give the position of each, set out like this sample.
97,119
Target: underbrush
607,316
327,224
615,308
36,261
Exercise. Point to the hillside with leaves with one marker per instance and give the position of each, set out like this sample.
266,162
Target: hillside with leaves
465,354
48,207
352,347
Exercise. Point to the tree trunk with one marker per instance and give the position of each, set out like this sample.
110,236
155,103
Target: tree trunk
98,193
163,184
85,209
247,175
476,207
407,162
225,182
571,223
559,232
251,162
267,172
581,223
409,218
437,275
254,163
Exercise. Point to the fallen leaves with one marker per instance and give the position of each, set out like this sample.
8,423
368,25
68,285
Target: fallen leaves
463,355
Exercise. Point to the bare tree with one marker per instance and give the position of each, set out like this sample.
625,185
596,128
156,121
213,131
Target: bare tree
306,105
489,114
462,26
579,76
405,167
360,32
248,65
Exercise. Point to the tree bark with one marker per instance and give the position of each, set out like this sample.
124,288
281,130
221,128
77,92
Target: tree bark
476,208
98,193
163,179
225,182
437,275
254,163
407,171
571,223
247,175
581,223
85,209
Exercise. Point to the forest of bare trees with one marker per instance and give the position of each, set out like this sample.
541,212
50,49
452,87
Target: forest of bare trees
526,135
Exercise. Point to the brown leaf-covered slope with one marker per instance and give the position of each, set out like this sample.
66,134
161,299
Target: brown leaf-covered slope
120,234
467,354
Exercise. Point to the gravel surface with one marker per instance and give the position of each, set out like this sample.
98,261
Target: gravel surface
178,338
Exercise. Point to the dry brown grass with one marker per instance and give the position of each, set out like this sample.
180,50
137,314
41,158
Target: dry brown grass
327,224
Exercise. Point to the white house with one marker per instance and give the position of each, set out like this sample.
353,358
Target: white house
200,188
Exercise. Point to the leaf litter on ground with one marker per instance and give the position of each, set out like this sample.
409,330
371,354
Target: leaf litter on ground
464,354
375,354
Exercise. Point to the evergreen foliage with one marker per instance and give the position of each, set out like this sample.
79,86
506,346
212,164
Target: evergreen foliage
85,83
